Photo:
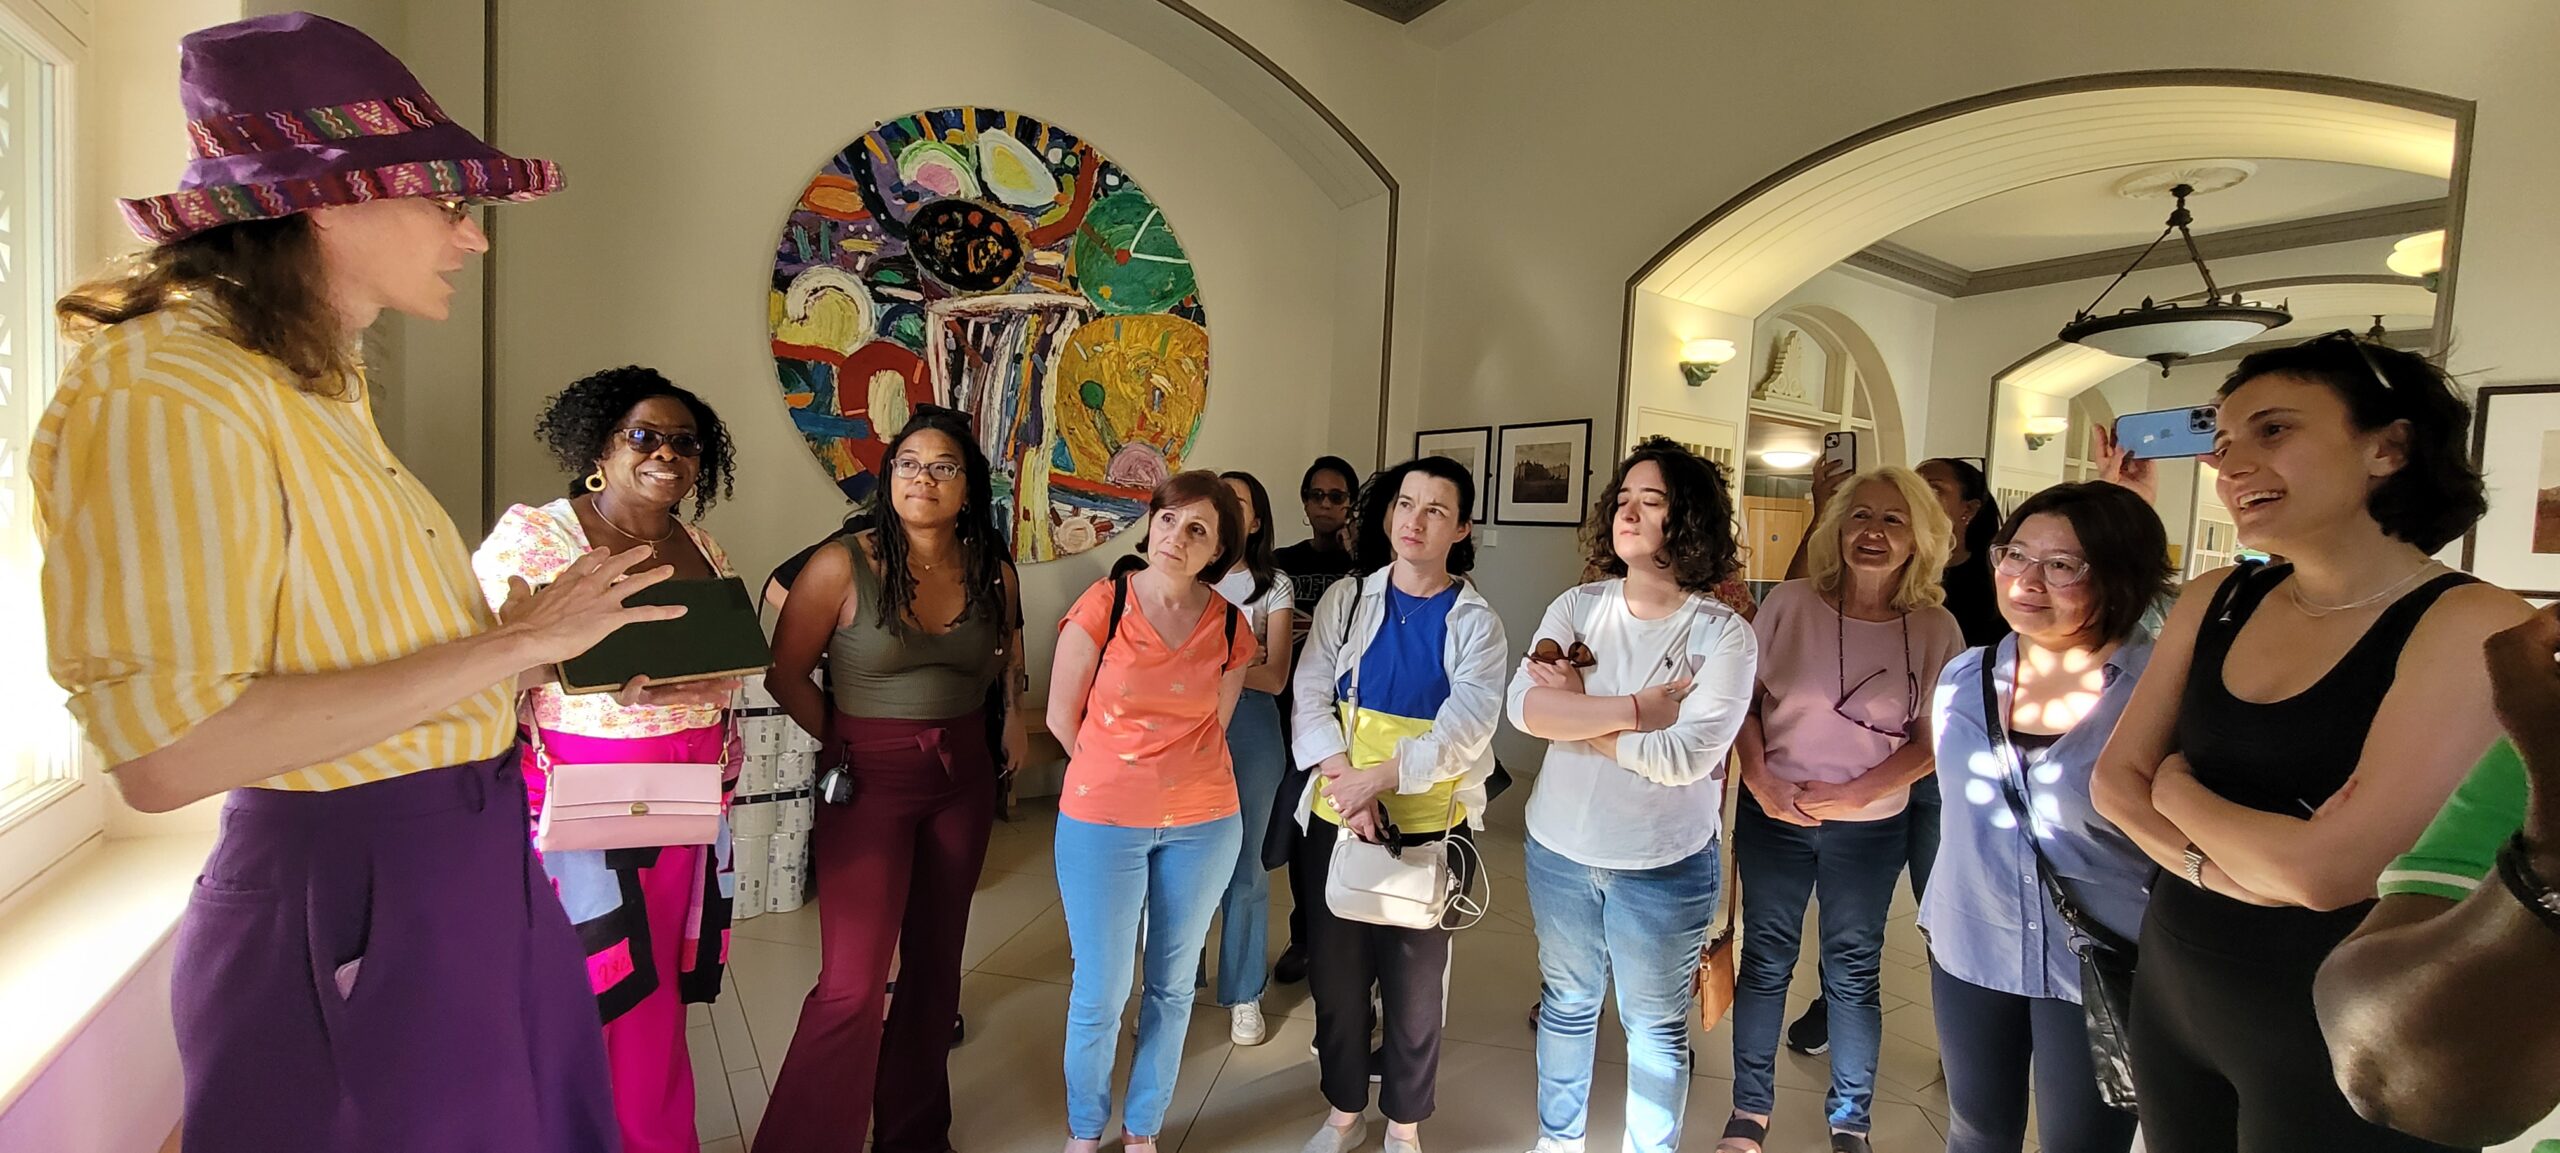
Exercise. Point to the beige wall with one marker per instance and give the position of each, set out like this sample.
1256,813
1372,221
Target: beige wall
686,133
1580,136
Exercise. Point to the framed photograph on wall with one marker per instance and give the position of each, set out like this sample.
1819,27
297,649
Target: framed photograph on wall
1472,447
1545,473
2515,442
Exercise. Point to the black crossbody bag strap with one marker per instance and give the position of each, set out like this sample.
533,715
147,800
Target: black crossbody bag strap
1995,720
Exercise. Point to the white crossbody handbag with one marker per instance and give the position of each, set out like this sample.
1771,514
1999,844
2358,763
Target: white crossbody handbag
1404,886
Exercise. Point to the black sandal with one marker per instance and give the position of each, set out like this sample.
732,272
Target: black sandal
1745,1129
1849,1143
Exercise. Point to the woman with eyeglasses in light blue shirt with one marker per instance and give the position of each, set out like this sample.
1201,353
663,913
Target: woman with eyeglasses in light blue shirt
2074,572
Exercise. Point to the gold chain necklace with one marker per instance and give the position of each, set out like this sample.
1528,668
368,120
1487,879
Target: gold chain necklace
2308,608
607,518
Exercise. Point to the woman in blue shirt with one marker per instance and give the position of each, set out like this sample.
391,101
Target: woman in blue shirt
2074,570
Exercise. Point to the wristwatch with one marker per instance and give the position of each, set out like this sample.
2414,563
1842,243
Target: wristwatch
2195,865
2515,867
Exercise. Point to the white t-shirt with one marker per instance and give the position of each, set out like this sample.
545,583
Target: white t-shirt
1237,587
1656,802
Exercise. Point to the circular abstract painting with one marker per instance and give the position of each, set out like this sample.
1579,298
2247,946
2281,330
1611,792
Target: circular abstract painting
989,262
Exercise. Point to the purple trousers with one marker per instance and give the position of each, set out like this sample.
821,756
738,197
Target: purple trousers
385,969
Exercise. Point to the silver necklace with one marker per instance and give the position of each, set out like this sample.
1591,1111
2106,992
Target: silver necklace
1405,616
2306,607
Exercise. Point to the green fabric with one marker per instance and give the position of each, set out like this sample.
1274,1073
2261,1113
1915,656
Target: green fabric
2461,847
909,674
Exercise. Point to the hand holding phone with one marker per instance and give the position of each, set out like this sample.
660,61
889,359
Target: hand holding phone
2168,432
1843,448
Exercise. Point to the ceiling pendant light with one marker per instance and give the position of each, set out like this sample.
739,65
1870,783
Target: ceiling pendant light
2167,333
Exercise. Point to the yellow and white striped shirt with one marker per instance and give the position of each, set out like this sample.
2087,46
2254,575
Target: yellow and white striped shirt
205,522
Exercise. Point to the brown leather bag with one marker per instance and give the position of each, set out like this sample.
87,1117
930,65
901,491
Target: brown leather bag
1717,964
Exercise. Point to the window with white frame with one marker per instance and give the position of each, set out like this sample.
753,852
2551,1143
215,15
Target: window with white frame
38,744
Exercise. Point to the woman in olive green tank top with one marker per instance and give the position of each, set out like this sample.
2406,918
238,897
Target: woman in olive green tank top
917,619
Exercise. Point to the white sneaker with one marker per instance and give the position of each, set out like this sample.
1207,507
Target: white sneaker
1331,1140
1245,1025
1557,1145
1397,1144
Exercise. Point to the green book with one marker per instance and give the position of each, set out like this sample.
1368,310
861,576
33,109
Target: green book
718,636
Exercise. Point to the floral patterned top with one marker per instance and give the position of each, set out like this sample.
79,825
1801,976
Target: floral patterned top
538,544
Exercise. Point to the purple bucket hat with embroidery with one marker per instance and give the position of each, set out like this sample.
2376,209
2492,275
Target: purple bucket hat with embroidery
292,112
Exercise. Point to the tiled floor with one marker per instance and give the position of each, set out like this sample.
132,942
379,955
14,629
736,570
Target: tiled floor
1244,1100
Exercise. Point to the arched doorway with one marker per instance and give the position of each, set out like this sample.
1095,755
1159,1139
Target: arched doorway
1744,256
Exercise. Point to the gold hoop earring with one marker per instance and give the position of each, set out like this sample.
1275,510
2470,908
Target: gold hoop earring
595,481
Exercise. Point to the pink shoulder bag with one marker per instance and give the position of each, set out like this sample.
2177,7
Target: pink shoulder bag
630,805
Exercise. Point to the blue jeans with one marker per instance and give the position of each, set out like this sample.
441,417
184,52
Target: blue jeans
1261,755
1645,927
1110,878
1926,805
1852,864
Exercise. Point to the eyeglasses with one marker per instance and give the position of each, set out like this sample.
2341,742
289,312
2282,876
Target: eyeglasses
909,468
456,208
1325,496
1910,681
646,441
2060,570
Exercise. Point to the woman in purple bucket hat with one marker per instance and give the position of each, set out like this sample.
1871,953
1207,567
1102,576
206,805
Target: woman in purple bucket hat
245,593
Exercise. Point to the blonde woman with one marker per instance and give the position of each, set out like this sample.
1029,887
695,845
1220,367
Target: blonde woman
1838,733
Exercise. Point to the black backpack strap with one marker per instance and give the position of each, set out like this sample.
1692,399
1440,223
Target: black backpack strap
1234,615
1119,605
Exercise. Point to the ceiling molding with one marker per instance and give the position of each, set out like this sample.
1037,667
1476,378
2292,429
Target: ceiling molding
1400,11
2362,224
1921,271
1917,269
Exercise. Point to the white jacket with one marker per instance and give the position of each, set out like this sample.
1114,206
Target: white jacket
1460,744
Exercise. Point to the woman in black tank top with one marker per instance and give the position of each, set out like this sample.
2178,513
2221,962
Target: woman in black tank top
2282,746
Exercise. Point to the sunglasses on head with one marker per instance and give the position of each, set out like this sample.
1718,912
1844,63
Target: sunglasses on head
646,441
953,413
2364,350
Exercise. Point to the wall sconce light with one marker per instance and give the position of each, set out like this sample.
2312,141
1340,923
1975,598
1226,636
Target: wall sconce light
2042,429
1699,359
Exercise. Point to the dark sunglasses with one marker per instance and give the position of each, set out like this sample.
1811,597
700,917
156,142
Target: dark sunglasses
2364,350
1579,656
1324,496
953,413
646,441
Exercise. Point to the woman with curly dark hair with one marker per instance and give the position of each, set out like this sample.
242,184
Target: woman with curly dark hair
1641,682
636,446
2297,726
916,613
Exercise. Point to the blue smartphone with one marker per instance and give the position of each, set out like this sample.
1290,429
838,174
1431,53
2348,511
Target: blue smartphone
2169,432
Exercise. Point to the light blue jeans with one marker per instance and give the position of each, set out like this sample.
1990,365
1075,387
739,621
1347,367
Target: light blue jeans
1261,757
1645,927
1111,879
